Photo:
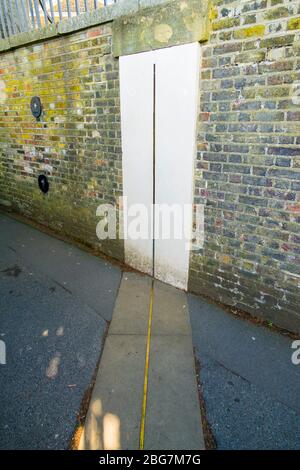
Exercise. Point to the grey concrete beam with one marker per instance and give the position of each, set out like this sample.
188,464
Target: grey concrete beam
169,24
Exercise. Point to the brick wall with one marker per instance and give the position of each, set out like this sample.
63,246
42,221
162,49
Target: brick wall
248,161
77,139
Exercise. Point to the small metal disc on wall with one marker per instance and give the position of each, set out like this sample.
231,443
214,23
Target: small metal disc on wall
43,183
36,107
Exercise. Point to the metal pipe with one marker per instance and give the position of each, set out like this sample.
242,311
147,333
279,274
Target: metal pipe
44,8
2,21
9,16
52,11
77,7
59,10
37,13
31,13
69,9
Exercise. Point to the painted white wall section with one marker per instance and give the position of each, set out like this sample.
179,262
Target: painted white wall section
136,88
177,85
177,71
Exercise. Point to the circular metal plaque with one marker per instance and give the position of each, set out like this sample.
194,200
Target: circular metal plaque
36,107
43,183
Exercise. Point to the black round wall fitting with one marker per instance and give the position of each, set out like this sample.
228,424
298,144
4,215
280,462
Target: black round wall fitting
36,107
43,183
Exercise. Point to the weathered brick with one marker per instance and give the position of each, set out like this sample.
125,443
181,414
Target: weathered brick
268,116
275,13
279,66
225,23
277,41
294,23
255,5
76,136
249,19
253,201
293,116
284,151
251,31
225,95
236,169
252,56
266,125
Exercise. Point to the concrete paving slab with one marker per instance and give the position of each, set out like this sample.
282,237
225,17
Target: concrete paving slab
132,306
173,418
113,420
170,311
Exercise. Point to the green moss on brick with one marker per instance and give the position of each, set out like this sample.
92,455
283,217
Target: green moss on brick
225,23
277,41
250,19
76,137
251,31
250,57
276,13
294,23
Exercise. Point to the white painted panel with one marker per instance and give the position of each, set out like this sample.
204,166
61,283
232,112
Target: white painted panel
177,85
136,89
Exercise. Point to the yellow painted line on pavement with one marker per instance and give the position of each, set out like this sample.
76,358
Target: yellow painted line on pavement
146,373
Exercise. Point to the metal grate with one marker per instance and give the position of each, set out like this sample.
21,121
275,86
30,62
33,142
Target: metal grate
17,16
